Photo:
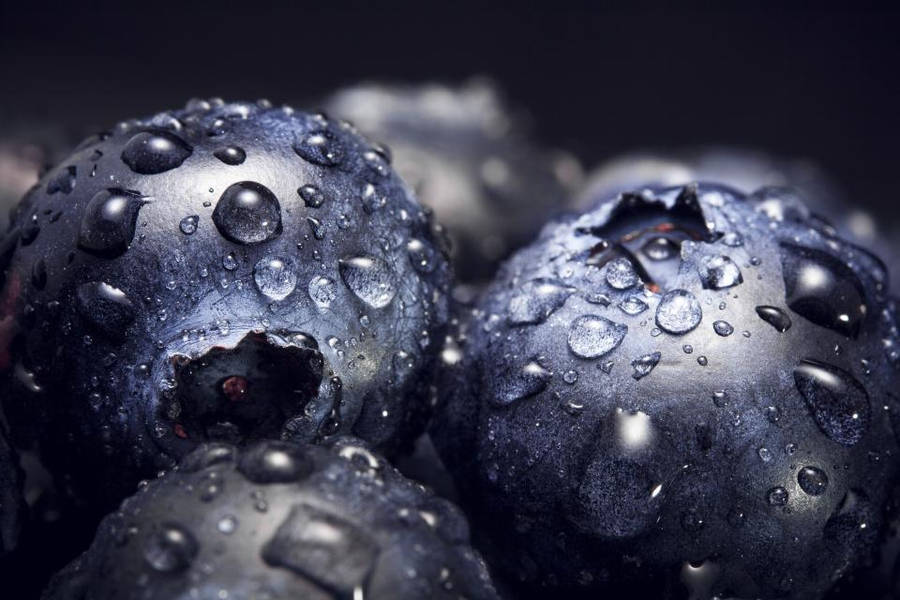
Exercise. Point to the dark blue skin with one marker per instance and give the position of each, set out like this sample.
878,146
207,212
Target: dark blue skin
222,272
280,521
605,441
12,504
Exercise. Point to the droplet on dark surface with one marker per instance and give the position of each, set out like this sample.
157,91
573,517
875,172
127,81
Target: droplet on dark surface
64,181
274,462
593,336
678,312
645,364
620,274
275,277
321,148
152,152
719,272
660,248
838,402
39,274
312,196
537,300
421,255
775,317
248,213
518,382
812,480
188,225
231,155
105,307
171,549
109,221
370,278
822,289
723,328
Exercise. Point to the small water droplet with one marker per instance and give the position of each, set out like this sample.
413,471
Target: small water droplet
633,306
227,524
775,317
105,307
248,213
522,382
777,496
421,255
620,274
838,402
170,549
645,364
723,328
64,181
188,225
321,148
718,272
231,155
323,291
274,277
812,480
592,336
312,196
229,262
152,152
370,279
660,248
109,221
536,300
678,312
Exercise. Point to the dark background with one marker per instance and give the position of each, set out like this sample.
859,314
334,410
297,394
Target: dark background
813,82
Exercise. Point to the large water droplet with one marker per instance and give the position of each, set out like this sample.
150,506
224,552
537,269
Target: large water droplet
812,480
370,278
592,336
718,272
321,148
248,213
775,317
109,221
678,312
151,152
421,255
170,549
274,277
105,307
645,364
231,155
518,382
620,274
323,291
838,402
536,300
822,289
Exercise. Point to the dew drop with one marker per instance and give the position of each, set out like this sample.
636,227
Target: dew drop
229,262
517,383
231,155
620,274
633,306
660,248
170,549
421,255
188,225
152,152
321,148
323,291
775,317
248,213
109,221
723,328
312,196
370,278
536,300
678,312
592,336
718,272
105,307
275,277
777,496
645,364
812,480
838,402
64,181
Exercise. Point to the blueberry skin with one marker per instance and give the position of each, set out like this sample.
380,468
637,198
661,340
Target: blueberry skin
221,272
469,157
708,413
279,520
12,504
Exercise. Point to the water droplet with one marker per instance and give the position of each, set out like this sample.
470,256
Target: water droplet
109,221
323,291
620,274
812,480
688,349
718,272
518,383
248,213
823,290
723,328
536,300
838,402
152,152
170,549
733,239
188,225
105,307
370,278
274,462
775,317
321,148
765,454
660,248
720,398
39,274
274,277
230,262
777,496
570,376
633,306
227,524
231,155
592,336
312,196
645,364
678,312
64,181
702,361
421,255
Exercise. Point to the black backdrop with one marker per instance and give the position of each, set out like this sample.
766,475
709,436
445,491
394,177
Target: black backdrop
816,82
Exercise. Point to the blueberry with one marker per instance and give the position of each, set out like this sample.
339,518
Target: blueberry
280,520
163,287
12,503
469,158
733,437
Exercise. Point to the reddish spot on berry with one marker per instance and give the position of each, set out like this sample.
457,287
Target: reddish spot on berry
180,432
235,388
